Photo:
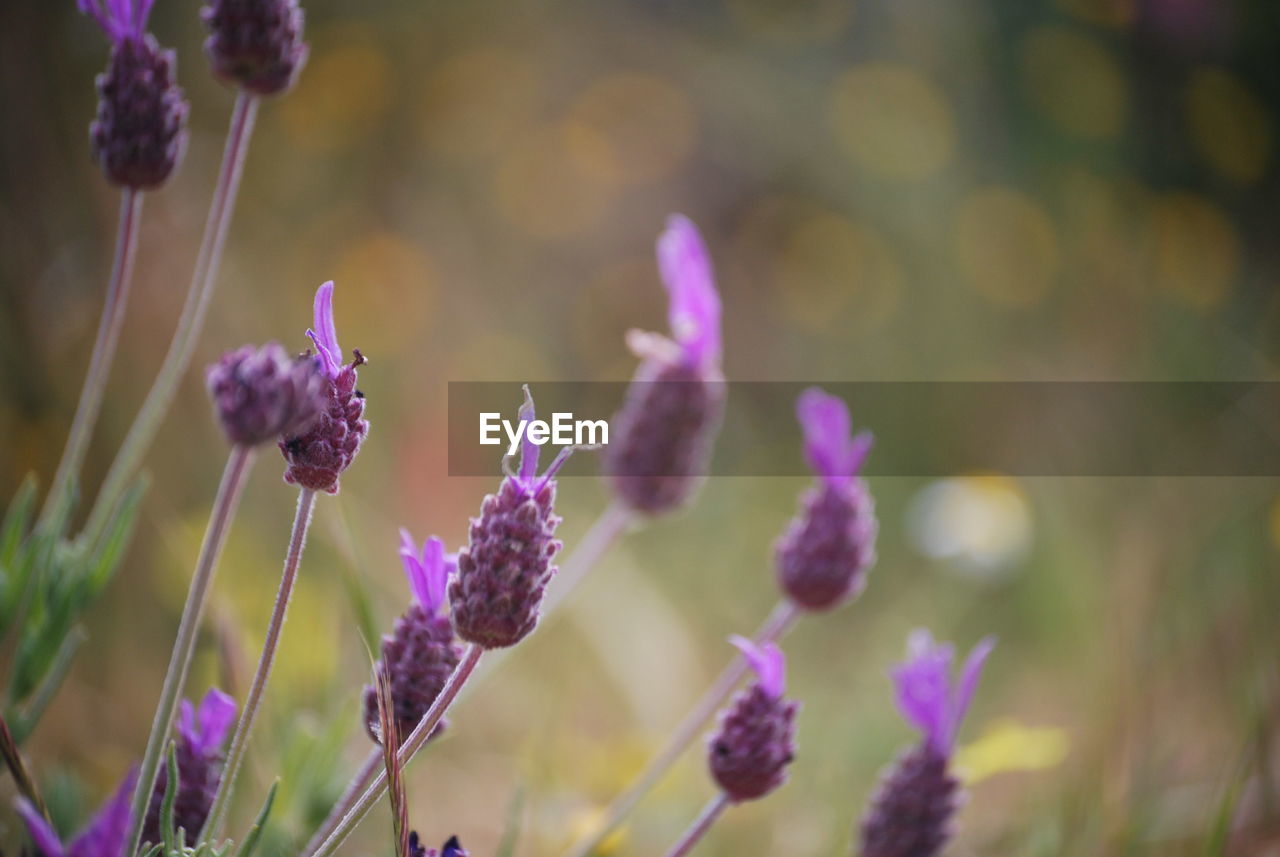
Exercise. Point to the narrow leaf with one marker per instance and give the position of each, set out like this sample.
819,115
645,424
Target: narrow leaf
251,838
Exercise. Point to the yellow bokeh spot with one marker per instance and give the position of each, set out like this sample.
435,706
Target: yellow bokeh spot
1229,125
1105,13
342,94
645,125
1005,246
1195,249
1008,746
542,187
1076,82
792,21
828,264
396,287
474,102
892,121
586,822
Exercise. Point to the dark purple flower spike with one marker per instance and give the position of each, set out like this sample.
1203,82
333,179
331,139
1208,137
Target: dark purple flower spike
749,753
663,433
318,456
822,559
452,848
255,44
202,732
420,653
262,393
139,134
911,813
502,573
103,836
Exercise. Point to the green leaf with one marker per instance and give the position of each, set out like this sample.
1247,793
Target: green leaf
171,841
48,687
105,556
250,843
16,521
511,832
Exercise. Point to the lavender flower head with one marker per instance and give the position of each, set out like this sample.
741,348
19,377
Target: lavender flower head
140,133
452,848
103,836
201,734
419,654
261,393
255,44
822,559
663,433
504,570
911,814
319,455
755,742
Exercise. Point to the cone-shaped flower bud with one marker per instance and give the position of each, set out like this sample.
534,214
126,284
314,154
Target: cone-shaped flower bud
662,436
262,393
255,44
452,848
755,742
912,810
201,733
822,558
103,836
503,571
319,455
140,131
420,653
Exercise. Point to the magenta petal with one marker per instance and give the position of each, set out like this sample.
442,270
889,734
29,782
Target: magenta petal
215,717
969,676
924,689
105,834
529,451
44,837
186,723
769,663
413,568
832,454
694,303
325,334
435,565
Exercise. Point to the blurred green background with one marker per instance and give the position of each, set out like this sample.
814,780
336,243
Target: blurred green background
891,190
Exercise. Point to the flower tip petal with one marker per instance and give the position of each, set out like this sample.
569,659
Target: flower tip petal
767,661
694,303
45,838
217,713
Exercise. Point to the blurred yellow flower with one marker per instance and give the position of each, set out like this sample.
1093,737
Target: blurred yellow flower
1008,746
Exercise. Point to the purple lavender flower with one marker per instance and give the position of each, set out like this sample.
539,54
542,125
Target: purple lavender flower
419,654
505,568
201,733
452,848
261,393
140,133
750,751
103,836
256,44
911,813
318,456
822,559
663,433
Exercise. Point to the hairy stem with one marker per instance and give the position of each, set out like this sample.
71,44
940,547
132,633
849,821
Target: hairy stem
240,741
233,479
353,791
104,352
417,738
700,826
190,323
774,627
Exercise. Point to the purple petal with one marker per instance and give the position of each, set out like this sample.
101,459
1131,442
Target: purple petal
832,454
694,308
436,567
46,840
453,848
529,450
216,715
325,334
186,723
105,834
924,689
413,570
144,12
768,662
969,676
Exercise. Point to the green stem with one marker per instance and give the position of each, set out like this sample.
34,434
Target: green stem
233,479
252,703
104,351
700,826
190,323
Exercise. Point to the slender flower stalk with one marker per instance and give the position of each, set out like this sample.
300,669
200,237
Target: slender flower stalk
104,350
233,479
190,324
239,742
774,628
712,811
